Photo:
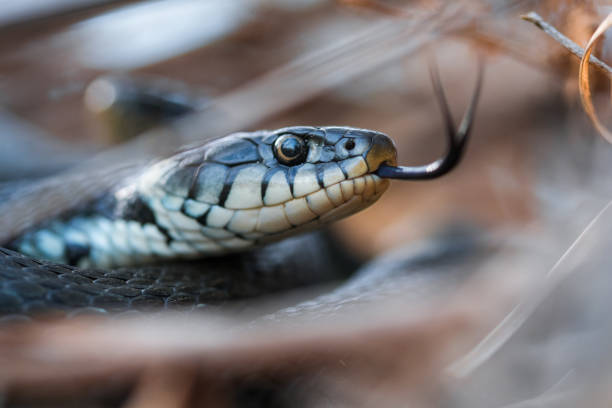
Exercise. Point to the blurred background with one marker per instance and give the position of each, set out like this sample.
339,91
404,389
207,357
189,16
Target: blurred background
535,171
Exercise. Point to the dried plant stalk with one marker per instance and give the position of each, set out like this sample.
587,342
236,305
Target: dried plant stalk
568,44
583,79
586,59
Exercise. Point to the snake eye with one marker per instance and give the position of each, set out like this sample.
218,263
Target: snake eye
349,144
290,149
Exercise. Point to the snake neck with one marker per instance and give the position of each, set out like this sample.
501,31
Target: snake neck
117,228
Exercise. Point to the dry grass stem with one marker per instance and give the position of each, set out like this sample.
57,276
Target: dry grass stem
569,262
568,44
583,79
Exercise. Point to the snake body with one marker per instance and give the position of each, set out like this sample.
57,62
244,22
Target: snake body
227,196
33,287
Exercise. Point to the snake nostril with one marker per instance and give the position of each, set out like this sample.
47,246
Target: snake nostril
349,144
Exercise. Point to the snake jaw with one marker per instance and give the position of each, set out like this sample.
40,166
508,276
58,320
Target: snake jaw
367,190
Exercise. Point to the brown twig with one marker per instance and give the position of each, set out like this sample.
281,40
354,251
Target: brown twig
568,44
583,79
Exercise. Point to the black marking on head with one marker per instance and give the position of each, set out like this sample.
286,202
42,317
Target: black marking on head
202,219
135,209
165,232
267,177
265,182
227,184
290,174
346,176
320,171
235,164
74,252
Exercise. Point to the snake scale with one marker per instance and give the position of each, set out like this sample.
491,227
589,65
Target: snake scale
214,222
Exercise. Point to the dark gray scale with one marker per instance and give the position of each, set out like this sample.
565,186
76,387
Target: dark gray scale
333,134
75,252
232,151
138,210
134,208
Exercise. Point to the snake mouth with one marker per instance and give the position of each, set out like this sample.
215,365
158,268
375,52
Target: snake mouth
197,228
356,193
324,205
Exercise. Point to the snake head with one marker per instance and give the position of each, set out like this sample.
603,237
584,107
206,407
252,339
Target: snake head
239,191
250,188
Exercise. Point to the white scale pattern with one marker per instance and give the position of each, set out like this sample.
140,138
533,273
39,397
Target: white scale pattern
279,211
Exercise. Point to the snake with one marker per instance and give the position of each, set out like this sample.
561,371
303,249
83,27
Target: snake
221,220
